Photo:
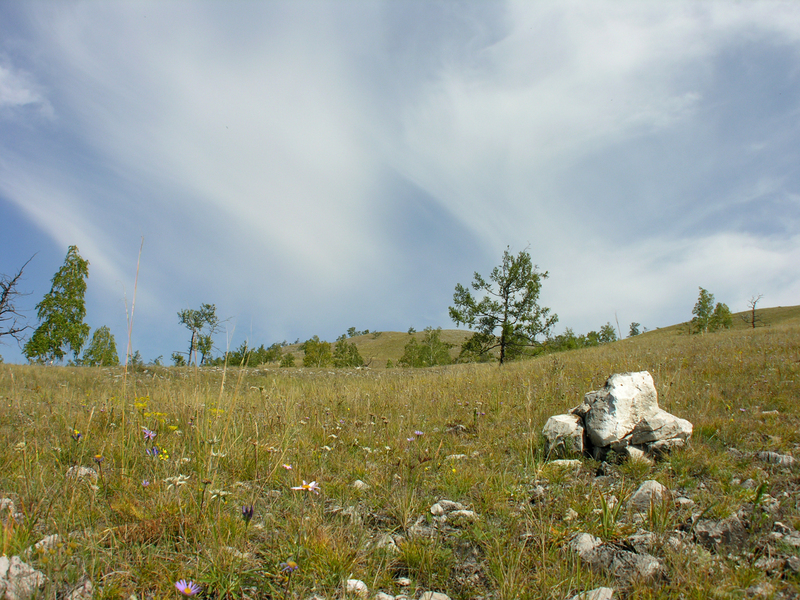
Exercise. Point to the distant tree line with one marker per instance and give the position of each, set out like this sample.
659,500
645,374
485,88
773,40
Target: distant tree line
502,310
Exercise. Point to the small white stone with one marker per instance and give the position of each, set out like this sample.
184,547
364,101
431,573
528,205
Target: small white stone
403,581
383,596
360,485
456,457
357,587
80,473
463,516
434,596
602,593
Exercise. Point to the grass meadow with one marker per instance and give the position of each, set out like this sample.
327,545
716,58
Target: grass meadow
170,507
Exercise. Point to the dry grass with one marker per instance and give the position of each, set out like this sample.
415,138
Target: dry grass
335,427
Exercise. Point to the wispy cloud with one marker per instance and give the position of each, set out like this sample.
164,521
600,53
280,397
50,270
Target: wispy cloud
315,166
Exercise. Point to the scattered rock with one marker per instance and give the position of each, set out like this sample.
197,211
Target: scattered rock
434,596
727,535
601,593
360,485
584,543
650,493
387,542
383,596
403,581
18,580
81,473
565,463
456,457
84,590
47,543
564,435
614,560
773,458
442,507
357,587
570,515
462,517
760,590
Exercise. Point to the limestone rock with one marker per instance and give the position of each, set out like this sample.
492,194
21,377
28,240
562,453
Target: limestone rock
601,593
80,473
623,417
773,458
616,409
18,580
611,559
434,596
563,435
650,493
357,588
727,535
659,426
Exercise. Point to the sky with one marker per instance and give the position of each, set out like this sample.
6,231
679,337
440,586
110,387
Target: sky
310,166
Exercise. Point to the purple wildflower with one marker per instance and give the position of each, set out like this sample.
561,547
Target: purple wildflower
187,588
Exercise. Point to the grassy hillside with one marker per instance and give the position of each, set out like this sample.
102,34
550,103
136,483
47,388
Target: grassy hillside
389,345
467,433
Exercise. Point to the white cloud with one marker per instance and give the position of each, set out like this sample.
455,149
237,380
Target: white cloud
17,90
306,164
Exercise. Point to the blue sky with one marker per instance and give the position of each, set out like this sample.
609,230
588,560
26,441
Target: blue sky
312,166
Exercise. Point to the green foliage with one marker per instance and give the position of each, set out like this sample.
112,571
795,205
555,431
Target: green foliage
509,305
346,354
253,357
430,352
702,311
317,353
607,334
135,360
61,313
721,318
353,332
634,329
287,360
178,359
203,324
708,317
102,349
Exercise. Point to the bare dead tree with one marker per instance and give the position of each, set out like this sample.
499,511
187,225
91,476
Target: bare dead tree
11,319
753,319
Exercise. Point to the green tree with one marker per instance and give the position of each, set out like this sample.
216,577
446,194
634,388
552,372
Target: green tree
431,351
178,359
203,324
61,313
287,360
102,349
634,329
346,354
317,353
709,317
607,334
508,315
721,318
702,311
